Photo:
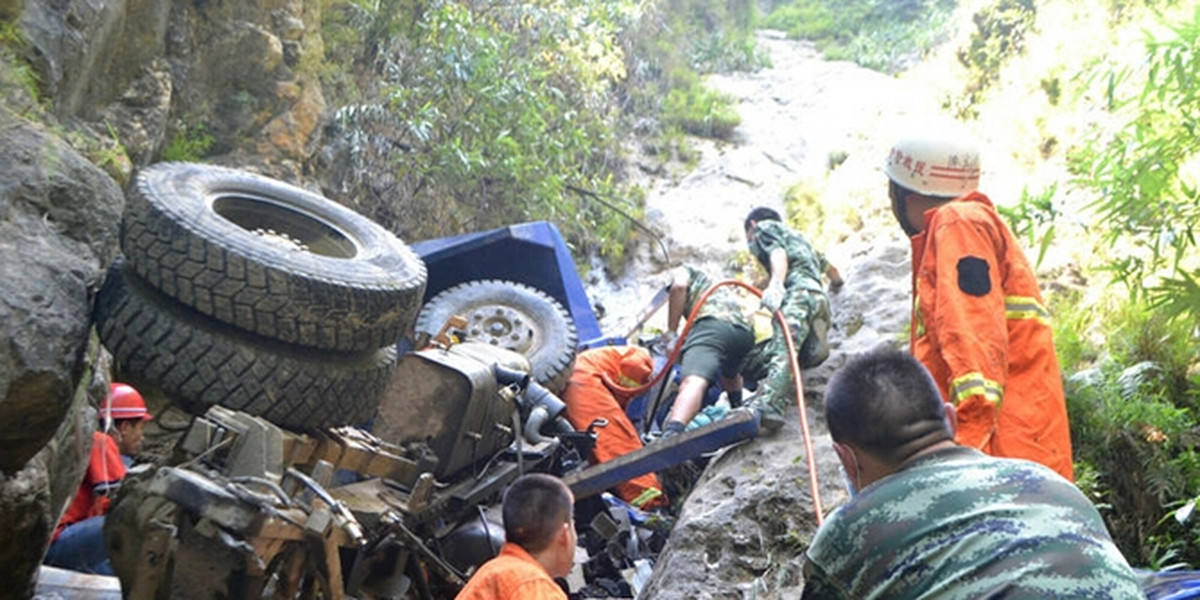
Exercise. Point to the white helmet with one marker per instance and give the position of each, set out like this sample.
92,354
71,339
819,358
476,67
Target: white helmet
946,166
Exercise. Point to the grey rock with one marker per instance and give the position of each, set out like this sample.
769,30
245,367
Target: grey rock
140,116
744,527
59,216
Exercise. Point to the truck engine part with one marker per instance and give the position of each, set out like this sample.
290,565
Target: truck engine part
543,412
245,509
200,363
271,258
512,316
449,400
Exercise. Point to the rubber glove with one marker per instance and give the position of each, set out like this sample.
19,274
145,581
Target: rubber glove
772,297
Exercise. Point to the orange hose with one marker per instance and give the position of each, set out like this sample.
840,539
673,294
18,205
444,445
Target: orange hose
808,447
792,360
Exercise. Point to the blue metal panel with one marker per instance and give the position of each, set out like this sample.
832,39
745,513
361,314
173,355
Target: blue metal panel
530,253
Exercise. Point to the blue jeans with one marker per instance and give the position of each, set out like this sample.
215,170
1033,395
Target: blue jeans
81,548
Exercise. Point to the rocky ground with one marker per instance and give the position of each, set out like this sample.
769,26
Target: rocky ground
742,528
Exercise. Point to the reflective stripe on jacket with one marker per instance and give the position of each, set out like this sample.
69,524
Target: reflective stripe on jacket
980,326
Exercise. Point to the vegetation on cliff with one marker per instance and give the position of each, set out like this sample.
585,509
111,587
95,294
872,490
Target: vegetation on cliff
465,115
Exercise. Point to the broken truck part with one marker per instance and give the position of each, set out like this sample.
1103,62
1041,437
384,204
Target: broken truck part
245,509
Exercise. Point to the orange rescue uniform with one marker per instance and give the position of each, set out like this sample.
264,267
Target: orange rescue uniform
105,470
512,575
588,398
979,325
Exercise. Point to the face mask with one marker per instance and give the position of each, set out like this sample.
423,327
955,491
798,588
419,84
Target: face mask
850,487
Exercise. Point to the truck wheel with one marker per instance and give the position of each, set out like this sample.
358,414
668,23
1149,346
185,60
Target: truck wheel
513,316
271,258
200,363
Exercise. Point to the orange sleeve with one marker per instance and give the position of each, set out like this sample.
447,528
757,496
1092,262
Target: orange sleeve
970,327
104,472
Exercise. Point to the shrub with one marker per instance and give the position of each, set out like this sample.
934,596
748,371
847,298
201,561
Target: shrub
1000,31
885,36
1132,424
1144,176
701,111
190,143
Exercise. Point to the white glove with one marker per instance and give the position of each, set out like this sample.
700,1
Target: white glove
667,340
772,297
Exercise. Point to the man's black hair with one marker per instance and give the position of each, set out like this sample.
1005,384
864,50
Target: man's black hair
761,213
886,403
535,506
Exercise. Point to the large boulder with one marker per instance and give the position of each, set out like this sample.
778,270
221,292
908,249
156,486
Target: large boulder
747,521
59,218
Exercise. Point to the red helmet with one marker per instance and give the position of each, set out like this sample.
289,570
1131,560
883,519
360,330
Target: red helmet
124,402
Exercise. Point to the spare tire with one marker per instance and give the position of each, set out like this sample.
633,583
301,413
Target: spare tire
513,316
200,363
271,258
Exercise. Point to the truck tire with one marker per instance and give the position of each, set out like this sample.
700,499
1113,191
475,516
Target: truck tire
271,258
513,316
199,362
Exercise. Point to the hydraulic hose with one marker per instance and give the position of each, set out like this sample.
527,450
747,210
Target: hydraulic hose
793,361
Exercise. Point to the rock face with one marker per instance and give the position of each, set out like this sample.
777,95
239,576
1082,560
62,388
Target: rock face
157,74
117,83
744,525
58,230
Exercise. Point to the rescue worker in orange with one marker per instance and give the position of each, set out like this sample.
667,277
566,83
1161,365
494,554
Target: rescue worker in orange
588,397
78,540
539,544
978,322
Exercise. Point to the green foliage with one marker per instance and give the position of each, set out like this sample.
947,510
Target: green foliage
1033,218
1132,423
1000,31
466,114
885,36
495,114
670,47
108,153
16,74
705,36
1072,320
1053,88
701,111
1124,10
805,210
1147,175
190,143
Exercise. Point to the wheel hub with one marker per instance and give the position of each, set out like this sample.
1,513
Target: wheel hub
502,326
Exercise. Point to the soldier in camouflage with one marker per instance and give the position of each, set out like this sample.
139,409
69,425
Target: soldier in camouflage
795,289
719,338
935,520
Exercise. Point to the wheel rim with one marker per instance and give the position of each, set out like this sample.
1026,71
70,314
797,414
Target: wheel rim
502,326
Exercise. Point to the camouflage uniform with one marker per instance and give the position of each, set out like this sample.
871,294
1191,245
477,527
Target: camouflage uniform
959,524
720,335
805,307
722,304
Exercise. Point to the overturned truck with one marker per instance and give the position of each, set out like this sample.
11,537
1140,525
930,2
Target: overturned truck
334,450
